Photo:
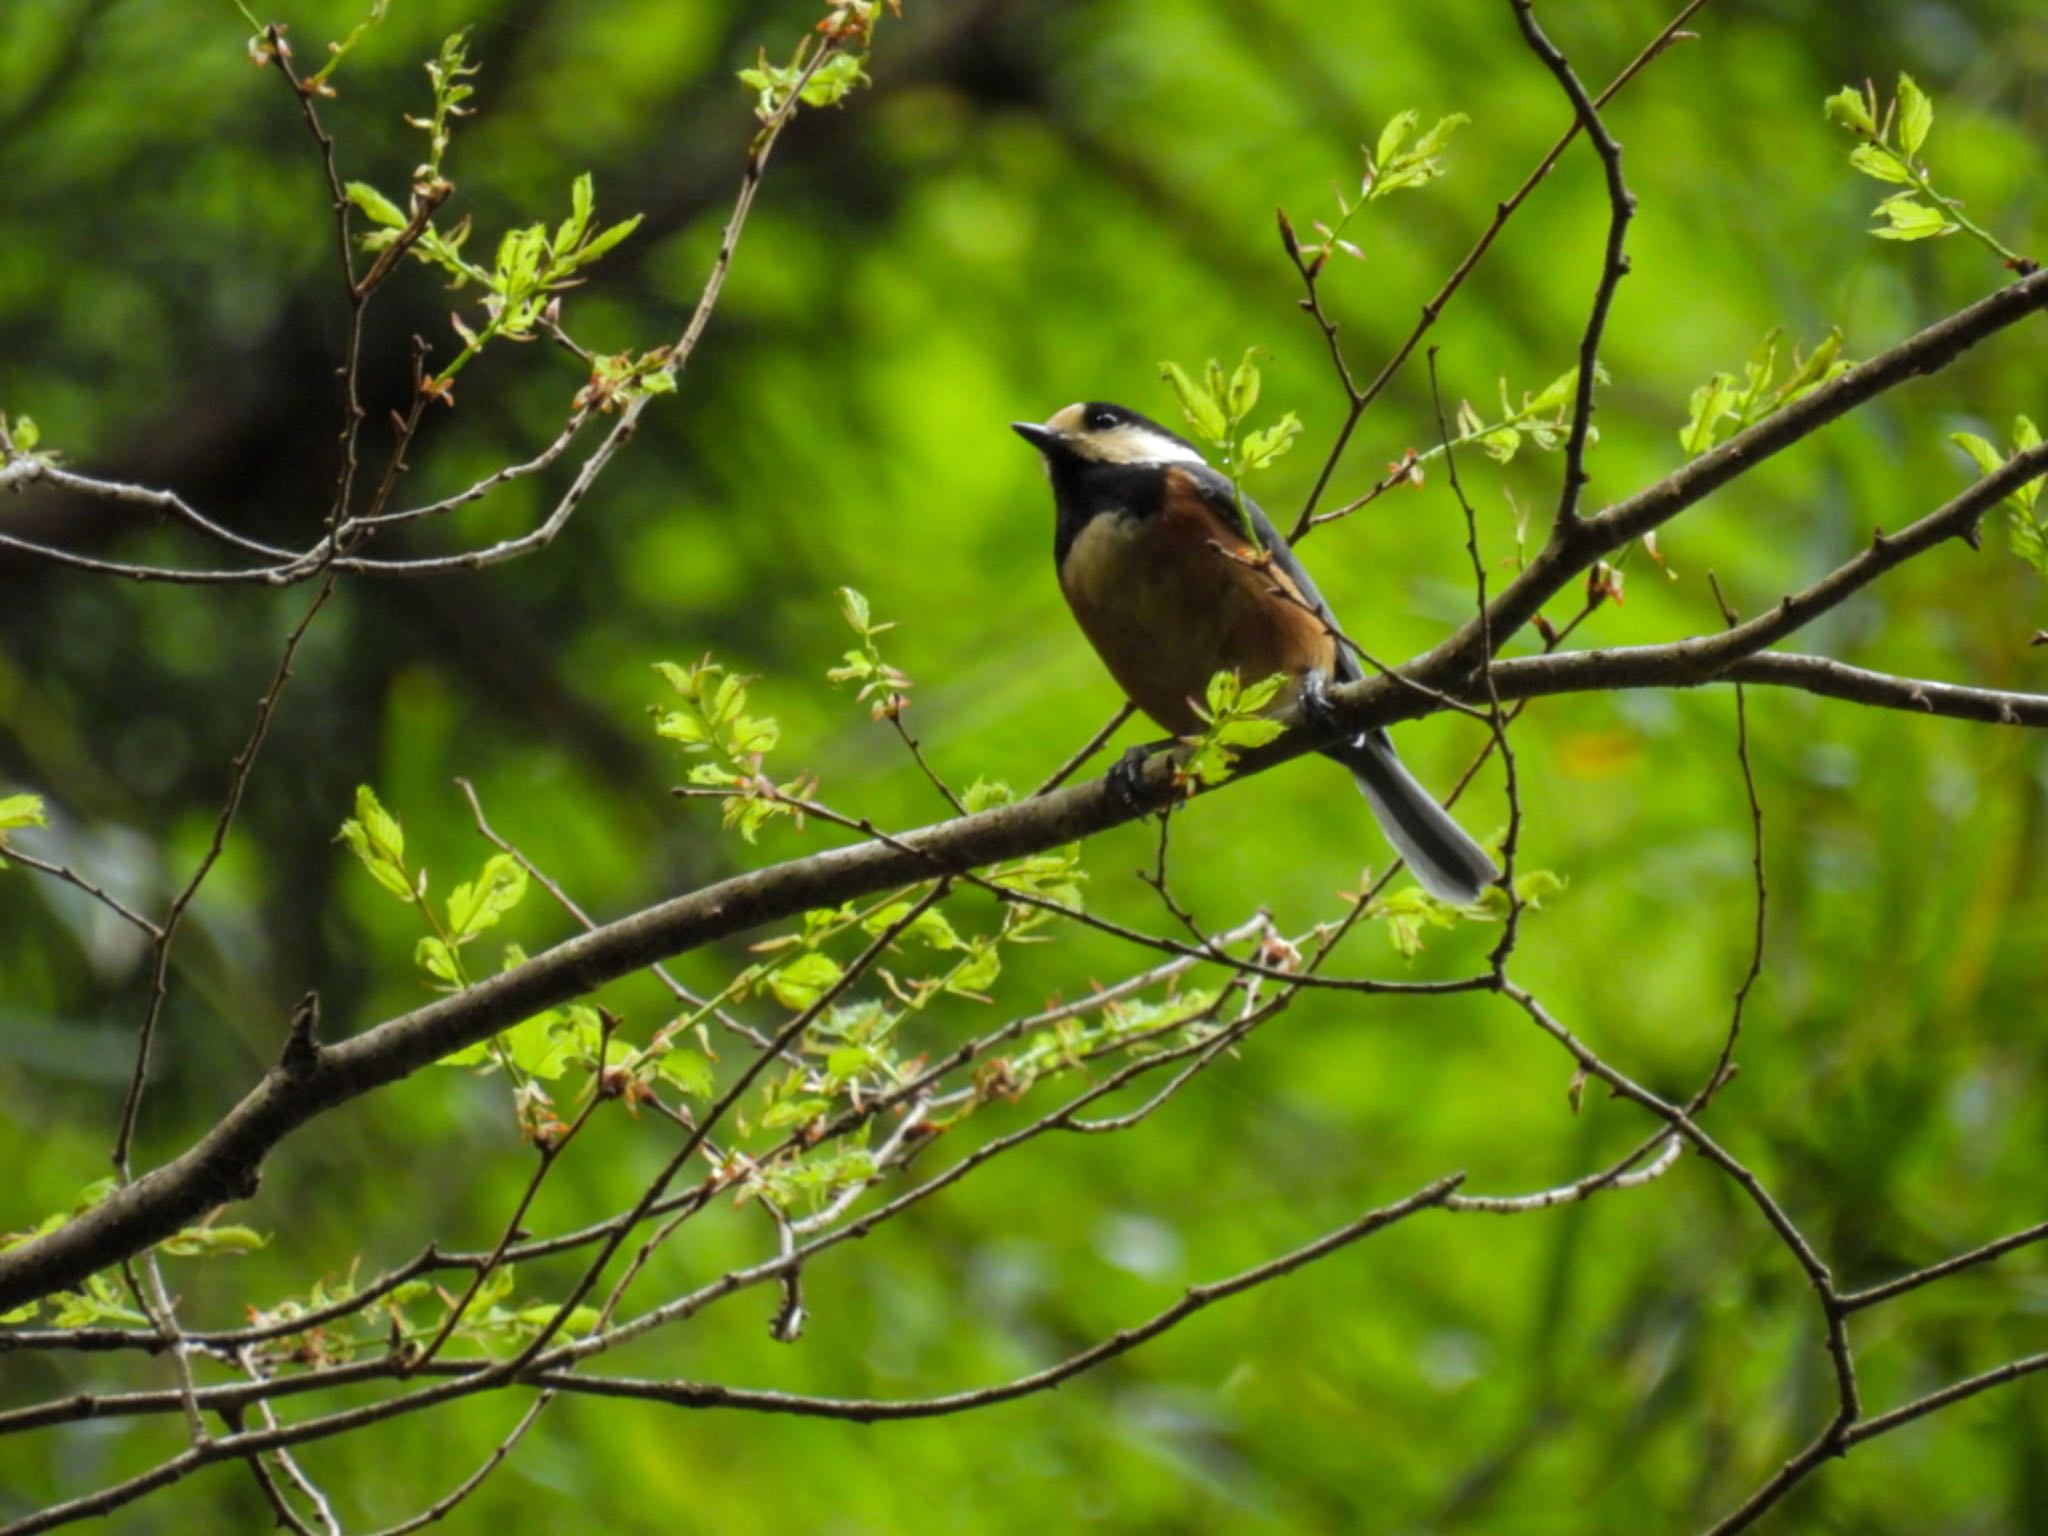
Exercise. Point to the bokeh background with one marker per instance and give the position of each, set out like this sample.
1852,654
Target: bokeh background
1038,201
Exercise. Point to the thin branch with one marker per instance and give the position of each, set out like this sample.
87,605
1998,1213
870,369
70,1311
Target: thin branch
1724,1064
1858,685
1196,1299
910,741
442,1507
238,783
1852,1301
71,877
1620,1177
1086,750
26,470
1614,265
1497,961
1363,399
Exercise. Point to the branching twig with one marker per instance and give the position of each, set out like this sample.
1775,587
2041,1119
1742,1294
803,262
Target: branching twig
1614,264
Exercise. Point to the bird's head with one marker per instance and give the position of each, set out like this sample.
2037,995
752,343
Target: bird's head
1093,432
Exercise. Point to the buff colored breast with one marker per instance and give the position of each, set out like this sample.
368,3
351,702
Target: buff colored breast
1166,610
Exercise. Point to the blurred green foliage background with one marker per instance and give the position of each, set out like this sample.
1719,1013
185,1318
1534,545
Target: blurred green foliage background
1038,201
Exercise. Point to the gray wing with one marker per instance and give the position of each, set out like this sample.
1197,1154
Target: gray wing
1217,490
1441,853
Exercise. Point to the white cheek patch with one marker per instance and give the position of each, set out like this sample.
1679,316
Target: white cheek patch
1133,444
1125,444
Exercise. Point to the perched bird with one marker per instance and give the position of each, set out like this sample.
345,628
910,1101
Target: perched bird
1153,560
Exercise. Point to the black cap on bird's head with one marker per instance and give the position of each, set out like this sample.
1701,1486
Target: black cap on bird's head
1096,432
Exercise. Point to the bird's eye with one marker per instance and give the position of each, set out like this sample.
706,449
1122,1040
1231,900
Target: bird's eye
1101,421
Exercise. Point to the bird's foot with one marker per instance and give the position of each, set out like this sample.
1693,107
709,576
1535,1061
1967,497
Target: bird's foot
1126,779
1312,701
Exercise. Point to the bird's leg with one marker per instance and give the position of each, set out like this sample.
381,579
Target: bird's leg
1126,776
1312,701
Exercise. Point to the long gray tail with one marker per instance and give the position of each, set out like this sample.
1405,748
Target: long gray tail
1450,865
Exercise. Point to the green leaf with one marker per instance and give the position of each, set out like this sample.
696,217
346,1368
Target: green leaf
539,1046
687,1071
1816,369
22,811
930,926
476,1055
803,980
434,957
606,239
834,79
1199,405
986,794
1712,403
581,1320
848,1061
1849,108
195,1242
750,735
1248,733
1916,115
854,605
386,837
1911,220
582,198
1258,695
476,905
1978,448
978,972
373,836
793,1112
1553,395
1262,448
1394,135
26,433
1243,391
1501,443
1875,161
376,207
1439,134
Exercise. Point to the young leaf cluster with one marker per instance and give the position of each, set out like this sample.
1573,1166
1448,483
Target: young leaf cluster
376,838
449,74
889,687
541,1048
1411,912
1392,164
1726,405
709,719
18,811
1217,407
101,1300
18,438
1890,137
490,1321
1233,718
2029,532
532,266
1133,1026
824,78
1543,418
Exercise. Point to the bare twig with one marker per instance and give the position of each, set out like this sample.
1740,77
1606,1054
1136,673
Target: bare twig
1614,264
1361,399
1086,750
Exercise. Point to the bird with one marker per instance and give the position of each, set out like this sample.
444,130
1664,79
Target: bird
1153,560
